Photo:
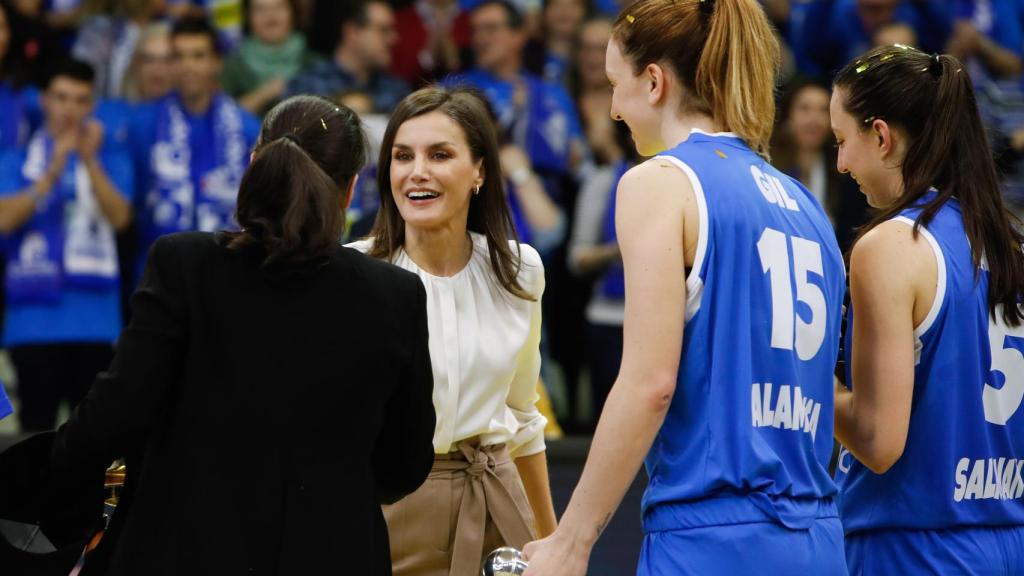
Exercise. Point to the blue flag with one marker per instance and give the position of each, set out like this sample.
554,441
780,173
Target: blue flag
5,403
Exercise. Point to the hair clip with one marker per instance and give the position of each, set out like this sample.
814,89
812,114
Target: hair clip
630,18
707,7
870,119
863,67
324,124
935,67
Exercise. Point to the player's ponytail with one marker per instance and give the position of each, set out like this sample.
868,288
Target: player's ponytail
737,70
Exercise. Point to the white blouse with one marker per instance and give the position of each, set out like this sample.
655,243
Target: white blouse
484,350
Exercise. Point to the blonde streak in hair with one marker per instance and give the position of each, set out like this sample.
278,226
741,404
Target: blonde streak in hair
737,71
759,52
713,80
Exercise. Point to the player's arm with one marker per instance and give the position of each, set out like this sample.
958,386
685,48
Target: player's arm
649,219
890,271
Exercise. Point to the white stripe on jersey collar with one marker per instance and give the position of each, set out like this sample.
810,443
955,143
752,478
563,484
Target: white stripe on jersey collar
699,131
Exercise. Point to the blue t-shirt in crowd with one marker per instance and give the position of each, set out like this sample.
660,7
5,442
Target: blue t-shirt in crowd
116,117
80,314
21,115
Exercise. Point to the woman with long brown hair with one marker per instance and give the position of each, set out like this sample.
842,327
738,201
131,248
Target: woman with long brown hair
932,425
443,216
733,288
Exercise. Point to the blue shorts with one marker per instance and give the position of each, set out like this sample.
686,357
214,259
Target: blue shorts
762,548
979,551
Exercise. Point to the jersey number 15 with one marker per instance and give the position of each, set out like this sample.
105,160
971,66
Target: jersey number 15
788,328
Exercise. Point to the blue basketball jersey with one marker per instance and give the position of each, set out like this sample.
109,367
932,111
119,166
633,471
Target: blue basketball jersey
962,465
751,419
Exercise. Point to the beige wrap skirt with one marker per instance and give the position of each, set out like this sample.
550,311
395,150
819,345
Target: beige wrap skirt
471,503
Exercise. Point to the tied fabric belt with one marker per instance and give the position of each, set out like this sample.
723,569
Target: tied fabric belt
485,492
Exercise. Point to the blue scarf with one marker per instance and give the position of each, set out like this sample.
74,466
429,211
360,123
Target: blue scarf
195,180
613,281
67,242
12,121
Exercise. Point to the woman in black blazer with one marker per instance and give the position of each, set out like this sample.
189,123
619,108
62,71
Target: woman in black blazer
271,390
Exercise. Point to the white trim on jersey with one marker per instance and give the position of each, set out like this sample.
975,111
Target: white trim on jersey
699,131
940,289
694,285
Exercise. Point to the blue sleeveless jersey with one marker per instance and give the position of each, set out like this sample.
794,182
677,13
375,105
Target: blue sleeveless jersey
962,464
750,425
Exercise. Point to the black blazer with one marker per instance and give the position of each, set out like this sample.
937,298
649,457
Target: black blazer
264,417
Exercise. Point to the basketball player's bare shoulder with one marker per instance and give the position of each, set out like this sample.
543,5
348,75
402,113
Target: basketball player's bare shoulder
656,179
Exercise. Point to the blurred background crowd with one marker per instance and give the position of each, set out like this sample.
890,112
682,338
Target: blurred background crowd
121,120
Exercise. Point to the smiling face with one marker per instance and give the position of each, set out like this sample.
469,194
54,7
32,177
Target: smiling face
433,172
862,154
631,102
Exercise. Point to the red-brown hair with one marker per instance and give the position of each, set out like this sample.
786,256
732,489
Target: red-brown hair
724,52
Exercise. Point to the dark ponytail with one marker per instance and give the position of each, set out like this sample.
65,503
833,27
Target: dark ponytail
931,98
292,197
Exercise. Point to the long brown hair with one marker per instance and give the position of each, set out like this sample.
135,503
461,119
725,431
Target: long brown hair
724,52
488,210
931,99
292,197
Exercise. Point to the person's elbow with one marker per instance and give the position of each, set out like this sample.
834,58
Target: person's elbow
654,390
7,225
881,455
1013,67
122,220
659,395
